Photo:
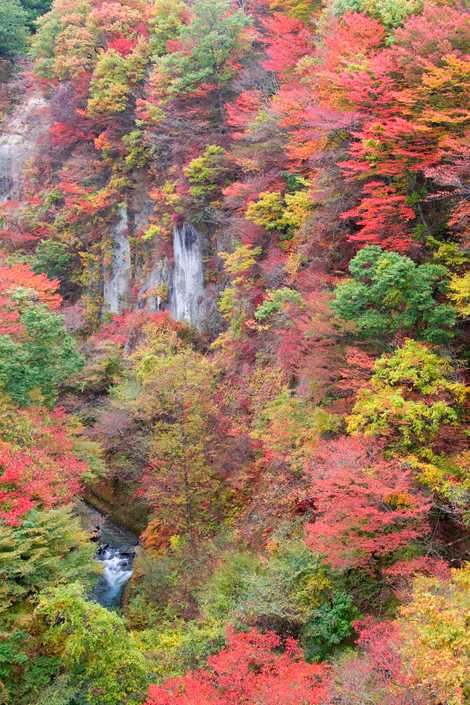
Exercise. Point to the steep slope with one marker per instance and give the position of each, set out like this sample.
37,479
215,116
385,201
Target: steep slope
233,304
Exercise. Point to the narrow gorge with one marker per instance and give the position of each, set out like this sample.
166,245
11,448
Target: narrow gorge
234,304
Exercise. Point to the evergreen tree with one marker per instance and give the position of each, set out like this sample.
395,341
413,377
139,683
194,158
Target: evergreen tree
34,9
13,33
40,362
390,294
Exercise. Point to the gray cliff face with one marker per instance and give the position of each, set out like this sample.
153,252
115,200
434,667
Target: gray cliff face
187,295
157,279
177,285
19,137
117,278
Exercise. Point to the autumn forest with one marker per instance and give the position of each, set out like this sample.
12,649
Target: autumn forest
234,288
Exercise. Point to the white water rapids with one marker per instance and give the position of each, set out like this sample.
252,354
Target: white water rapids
115,552
117,571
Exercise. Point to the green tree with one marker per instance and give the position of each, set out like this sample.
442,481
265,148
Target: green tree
34,9
101,659
390,294
24,672
47,548
13,32
213,38
42,360
52,258
391,13
330,626
275,301
291,592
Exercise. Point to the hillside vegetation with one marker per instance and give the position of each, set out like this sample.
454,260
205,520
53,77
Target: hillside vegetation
234,292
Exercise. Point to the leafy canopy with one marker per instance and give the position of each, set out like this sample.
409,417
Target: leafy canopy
42,361
52,258
34,9
13,33
435,639
291,592
276,301
208,44
411,396
390,294
103,663
366,508
47,548
391,13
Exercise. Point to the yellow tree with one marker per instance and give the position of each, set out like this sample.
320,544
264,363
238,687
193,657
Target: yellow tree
436,637
182,482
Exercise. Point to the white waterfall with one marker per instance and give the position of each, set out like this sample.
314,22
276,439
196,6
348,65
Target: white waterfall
117,281
18,141
187,294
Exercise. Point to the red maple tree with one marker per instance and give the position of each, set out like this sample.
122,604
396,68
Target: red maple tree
249,669
366,508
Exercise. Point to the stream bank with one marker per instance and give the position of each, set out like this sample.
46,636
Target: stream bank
115,500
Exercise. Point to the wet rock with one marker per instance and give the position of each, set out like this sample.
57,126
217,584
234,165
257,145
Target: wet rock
19,138
188,299
117,278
